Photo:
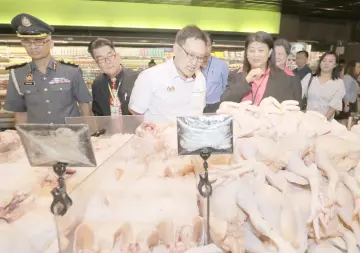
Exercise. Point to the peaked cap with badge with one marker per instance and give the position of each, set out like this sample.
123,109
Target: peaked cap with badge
47,98
28,26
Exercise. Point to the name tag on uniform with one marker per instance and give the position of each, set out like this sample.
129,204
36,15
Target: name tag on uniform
58,80
29,80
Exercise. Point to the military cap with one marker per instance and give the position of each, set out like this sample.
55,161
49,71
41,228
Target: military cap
28,26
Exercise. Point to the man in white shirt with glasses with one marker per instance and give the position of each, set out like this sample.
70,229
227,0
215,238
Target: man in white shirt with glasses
176,87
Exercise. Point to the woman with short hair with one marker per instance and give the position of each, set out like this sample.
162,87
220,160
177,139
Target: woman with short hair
282,49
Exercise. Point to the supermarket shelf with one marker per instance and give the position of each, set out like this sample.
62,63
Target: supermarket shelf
132,58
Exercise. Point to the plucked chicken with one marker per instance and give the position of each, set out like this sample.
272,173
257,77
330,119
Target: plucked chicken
291,186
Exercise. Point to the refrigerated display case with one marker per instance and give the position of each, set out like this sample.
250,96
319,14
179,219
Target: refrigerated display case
135,200
36,230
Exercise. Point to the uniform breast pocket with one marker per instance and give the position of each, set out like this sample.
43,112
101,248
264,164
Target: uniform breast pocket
61,94
32,95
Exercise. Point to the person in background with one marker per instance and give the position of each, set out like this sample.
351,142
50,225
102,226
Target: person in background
326,90
176,87
282,49
112,89
352,70
301,61
216,73
260,78
151,63
44,91
341,67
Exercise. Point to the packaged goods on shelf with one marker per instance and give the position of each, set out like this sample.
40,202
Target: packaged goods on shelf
133,58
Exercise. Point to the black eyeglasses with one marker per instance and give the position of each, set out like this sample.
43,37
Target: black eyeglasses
106,59
192,57
38,43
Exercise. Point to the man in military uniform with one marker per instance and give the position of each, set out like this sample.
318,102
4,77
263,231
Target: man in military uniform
46,90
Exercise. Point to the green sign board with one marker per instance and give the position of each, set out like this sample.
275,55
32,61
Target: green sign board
141,15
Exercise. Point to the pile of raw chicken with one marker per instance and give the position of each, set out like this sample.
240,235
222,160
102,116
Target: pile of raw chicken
26,223
291,185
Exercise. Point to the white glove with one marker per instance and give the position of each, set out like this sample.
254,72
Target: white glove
248,106
290,105
270,105
316,114
228,106
231,107
270,101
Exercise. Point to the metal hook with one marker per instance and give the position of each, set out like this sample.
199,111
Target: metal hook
99,133
61,202
204,186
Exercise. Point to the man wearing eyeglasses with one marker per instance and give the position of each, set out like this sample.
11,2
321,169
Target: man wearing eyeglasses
176,87
111,90
44,91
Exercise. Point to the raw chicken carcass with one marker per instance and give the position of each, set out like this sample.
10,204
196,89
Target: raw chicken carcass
292,185
142,200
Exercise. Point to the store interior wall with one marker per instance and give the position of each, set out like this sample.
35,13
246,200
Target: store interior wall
323,33
352,52
139,15
326,31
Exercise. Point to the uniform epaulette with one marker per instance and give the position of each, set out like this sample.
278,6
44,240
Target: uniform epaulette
16,66
69,64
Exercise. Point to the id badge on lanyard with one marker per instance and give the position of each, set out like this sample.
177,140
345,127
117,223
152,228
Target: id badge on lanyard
254,96
116,107
115,110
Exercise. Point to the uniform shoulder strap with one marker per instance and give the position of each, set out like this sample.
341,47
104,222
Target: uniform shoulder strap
16,66
69,64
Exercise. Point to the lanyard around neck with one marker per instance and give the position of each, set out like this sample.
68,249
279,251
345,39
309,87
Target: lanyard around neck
259,86
111,91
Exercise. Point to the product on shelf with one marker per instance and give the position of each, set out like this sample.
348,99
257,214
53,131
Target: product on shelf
136,58
133,58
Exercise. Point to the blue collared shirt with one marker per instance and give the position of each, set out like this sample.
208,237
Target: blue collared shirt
216,75
351,87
